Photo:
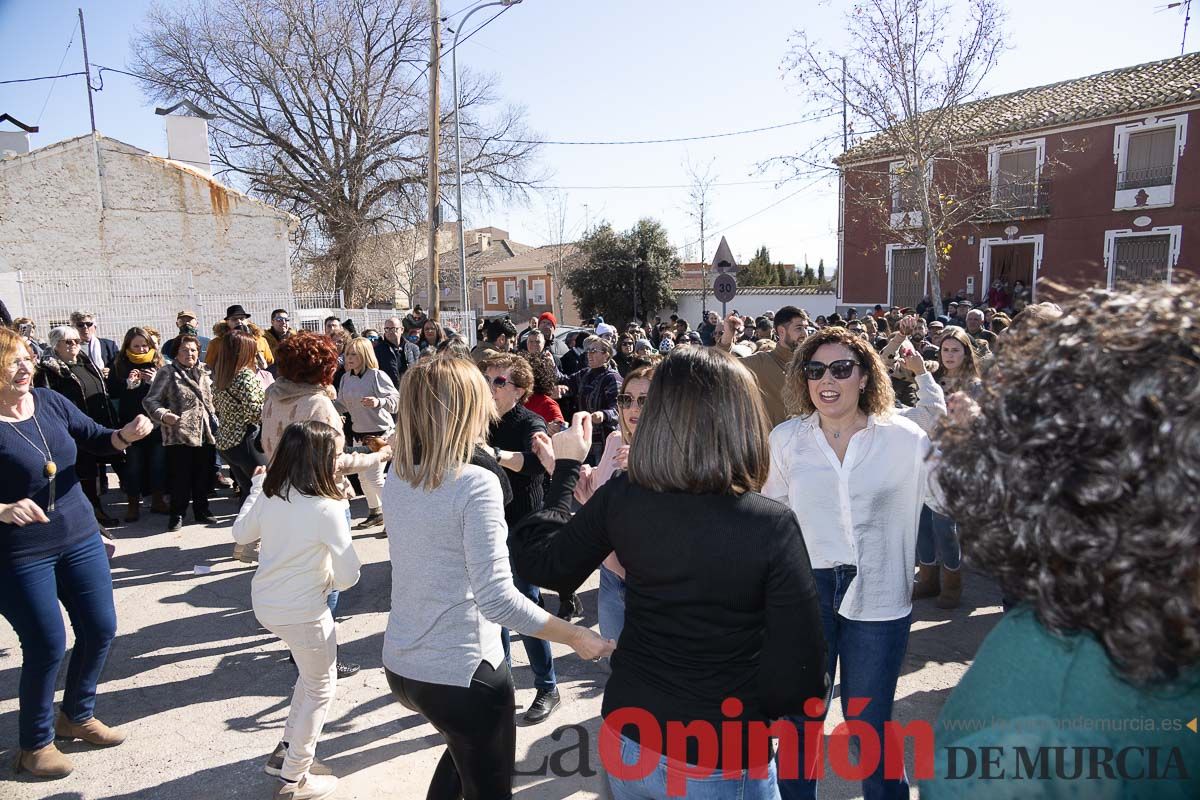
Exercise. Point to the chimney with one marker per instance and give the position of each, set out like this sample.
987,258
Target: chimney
15,143
187,135
485,240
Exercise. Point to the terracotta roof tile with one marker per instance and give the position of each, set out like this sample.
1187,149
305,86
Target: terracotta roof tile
1141,87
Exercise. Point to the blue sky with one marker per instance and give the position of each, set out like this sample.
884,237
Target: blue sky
614,70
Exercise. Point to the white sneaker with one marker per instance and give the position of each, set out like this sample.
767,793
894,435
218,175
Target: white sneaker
310,787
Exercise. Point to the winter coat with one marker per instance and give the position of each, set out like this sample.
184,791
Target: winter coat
56,374
187,393
287,402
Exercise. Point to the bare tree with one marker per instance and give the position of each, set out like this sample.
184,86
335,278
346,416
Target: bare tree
565,253
699,209
321,109
904,76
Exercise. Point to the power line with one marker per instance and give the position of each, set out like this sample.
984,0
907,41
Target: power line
54,82
43,78
676,139
761,211
664,185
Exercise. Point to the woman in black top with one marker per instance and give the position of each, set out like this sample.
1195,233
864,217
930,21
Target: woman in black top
66,369
128,384
720,599
595,389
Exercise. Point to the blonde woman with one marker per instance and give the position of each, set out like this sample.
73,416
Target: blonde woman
452,587
368,395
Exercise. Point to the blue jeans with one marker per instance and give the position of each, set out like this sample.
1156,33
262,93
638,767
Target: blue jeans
610,604
871,655
29,597
713,787
937,538
538,650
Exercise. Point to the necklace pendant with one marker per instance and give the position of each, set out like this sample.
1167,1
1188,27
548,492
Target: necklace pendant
50,469
837,434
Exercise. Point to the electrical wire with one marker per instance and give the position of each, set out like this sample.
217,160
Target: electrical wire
54,82
761,211
43,78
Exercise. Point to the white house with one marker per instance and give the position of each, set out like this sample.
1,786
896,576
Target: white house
95,223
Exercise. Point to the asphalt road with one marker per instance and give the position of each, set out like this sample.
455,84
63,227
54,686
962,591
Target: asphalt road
203,690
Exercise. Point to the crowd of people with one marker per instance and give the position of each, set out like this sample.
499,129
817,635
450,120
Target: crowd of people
764,498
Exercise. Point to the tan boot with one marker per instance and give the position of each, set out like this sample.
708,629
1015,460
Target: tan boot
951,593
158,505
133,509
927,582
92,731
47,762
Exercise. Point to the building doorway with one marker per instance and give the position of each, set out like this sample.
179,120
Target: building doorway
1009,261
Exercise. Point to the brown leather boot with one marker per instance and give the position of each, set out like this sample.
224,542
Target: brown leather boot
92,731
951,594
158,505
927,582
133,508
47,762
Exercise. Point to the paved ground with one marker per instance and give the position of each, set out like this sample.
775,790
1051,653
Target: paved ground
203,690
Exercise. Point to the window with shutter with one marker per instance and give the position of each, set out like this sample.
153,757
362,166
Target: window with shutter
1141,259
1149,159
907,277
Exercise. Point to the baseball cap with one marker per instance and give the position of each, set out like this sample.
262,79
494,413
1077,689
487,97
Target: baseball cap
186,313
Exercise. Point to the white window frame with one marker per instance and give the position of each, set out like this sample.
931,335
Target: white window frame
510,290
537,287
887,267
1038,241
1158,196
493,293
1110,246
910,218
1015,146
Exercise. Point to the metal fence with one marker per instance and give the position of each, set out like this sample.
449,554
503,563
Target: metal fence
119,302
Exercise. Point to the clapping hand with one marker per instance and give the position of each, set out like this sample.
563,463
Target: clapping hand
543,448
370,402
139,428
913,360
590,646
574,443
622,457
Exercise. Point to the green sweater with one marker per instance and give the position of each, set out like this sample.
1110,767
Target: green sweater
1060,723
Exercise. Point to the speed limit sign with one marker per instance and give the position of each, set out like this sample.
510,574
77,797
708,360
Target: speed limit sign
725,287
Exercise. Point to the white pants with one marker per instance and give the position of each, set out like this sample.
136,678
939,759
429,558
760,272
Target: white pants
371,479
314,647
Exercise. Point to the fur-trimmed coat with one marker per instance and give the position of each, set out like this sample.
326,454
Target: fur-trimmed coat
187,393
54,373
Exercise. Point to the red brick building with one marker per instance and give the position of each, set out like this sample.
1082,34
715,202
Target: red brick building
1091,183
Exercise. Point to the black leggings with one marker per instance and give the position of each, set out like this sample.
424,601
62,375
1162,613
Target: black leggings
479,723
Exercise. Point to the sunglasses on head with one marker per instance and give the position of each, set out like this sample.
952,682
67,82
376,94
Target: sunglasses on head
841,370
626,400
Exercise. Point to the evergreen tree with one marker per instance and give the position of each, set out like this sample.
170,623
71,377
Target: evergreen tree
810,277
821,271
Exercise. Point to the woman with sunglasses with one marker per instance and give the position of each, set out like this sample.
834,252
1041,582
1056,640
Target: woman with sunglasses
595,389
624,354
631,402
853,470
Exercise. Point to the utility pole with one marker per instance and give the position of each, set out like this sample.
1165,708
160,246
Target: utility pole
703,269
845,127
87,71
435,115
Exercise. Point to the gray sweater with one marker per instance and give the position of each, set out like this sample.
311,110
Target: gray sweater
452,586
372,383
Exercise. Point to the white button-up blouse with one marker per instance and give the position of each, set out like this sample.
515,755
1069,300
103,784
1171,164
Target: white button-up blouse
863,511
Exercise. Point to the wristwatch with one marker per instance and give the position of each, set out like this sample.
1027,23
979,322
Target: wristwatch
496,454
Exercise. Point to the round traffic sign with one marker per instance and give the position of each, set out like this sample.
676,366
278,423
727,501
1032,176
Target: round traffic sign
724,287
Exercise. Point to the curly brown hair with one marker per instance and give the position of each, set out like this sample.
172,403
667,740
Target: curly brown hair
519,370
1077,486
545,377
877,398
306,357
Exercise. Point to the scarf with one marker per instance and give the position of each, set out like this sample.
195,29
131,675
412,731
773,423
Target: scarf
140,359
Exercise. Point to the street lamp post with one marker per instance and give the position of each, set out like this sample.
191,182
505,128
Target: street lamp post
462,236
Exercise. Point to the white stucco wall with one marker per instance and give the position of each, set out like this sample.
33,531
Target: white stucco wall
143,215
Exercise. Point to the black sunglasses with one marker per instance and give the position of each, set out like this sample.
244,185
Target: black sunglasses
626,400
842,369
86,325
499,381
